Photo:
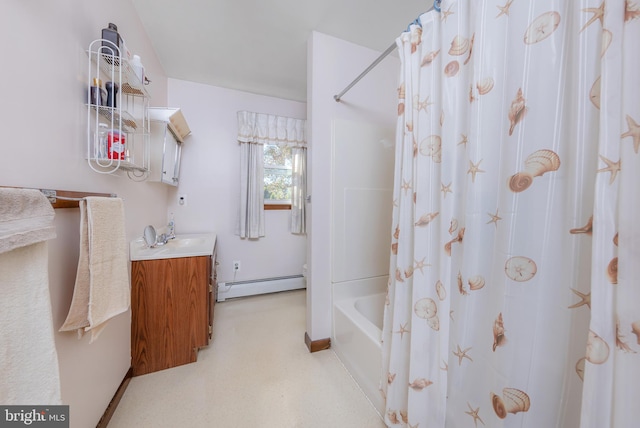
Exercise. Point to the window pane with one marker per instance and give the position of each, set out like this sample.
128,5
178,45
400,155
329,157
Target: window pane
277,184
277,156
277,174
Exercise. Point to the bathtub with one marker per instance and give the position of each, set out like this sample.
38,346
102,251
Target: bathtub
357,327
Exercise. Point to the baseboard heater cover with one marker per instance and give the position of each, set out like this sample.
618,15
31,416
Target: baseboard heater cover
230,290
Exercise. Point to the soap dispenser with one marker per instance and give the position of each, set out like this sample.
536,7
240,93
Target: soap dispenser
171,231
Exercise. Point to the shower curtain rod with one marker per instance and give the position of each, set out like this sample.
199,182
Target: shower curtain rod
436,6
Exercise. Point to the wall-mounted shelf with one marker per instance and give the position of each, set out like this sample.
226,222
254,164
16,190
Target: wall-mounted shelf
108,61
109,114
117,132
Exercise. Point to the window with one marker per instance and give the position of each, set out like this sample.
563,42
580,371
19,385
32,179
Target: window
277,177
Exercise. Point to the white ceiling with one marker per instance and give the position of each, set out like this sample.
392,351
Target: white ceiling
260,46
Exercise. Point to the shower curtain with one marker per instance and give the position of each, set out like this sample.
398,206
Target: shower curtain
514,291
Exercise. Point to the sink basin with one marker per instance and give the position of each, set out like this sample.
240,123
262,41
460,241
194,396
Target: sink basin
185,242
191,245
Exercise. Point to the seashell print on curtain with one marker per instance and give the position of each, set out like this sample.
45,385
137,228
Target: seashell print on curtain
514,277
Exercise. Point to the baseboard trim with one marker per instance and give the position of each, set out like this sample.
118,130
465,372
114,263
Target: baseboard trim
317,345
229,290
113,404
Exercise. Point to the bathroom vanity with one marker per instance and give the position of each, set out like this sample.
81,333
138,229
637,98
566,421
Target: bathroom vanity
172,301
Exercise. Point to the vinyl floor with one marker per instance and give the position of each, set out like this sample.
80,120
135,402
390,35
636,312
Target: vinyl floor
257,372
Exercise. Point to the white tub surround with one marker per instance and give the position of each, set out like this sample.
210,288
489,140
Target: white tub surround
357,330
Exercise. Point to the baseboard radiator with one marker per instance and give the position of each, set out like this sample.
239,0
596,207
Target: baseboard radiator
230,290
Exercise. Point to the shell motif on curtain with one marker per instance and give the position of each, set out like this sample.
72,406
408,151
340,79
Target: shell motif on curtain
514,290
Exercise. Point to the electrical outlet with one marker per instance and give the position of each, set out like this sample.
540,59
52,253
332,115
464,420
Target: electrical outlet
236,265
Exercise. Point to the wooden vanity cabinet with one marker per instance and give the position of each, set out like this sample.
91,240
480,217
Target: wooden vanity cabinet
171,311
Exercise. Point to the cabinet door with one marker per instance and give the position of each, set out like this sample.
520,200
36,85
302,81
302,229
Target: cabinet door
169,319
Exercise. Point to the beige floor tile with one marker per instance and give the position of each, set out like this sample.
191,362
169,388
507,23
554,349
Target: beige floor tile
257,372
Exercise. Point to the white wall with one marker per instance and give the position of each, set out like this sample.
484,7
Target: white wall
332,65
43,82
210,179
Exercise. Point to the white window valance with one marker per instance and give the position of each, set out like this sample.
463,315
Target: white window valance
270,129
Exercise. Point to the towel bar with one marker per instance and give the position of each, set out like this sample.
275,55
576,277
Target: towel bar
68,199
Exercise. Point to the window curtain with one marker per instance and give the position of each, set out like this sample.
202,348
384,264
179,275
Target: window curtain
514,298
298,190
251,219
254,131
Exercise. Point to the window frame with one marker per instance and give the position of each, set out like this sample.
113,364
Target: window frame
276,207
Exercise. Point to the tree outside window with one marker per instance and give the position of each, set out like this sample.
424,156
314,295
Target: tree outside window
277,174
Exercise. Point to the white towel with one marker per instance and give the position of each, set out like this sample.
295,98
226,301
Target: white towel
102,282
29,372
26,217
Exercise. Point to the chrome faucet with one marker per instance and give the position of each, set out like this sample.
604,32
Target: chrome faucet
162,239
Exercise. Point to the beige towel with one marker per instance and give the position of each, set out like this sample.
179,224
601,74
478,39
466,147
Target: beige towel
102,282
77,318
26,217
29,372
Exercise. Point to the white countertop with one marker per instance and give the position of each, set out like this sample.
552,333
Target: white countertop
187,245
